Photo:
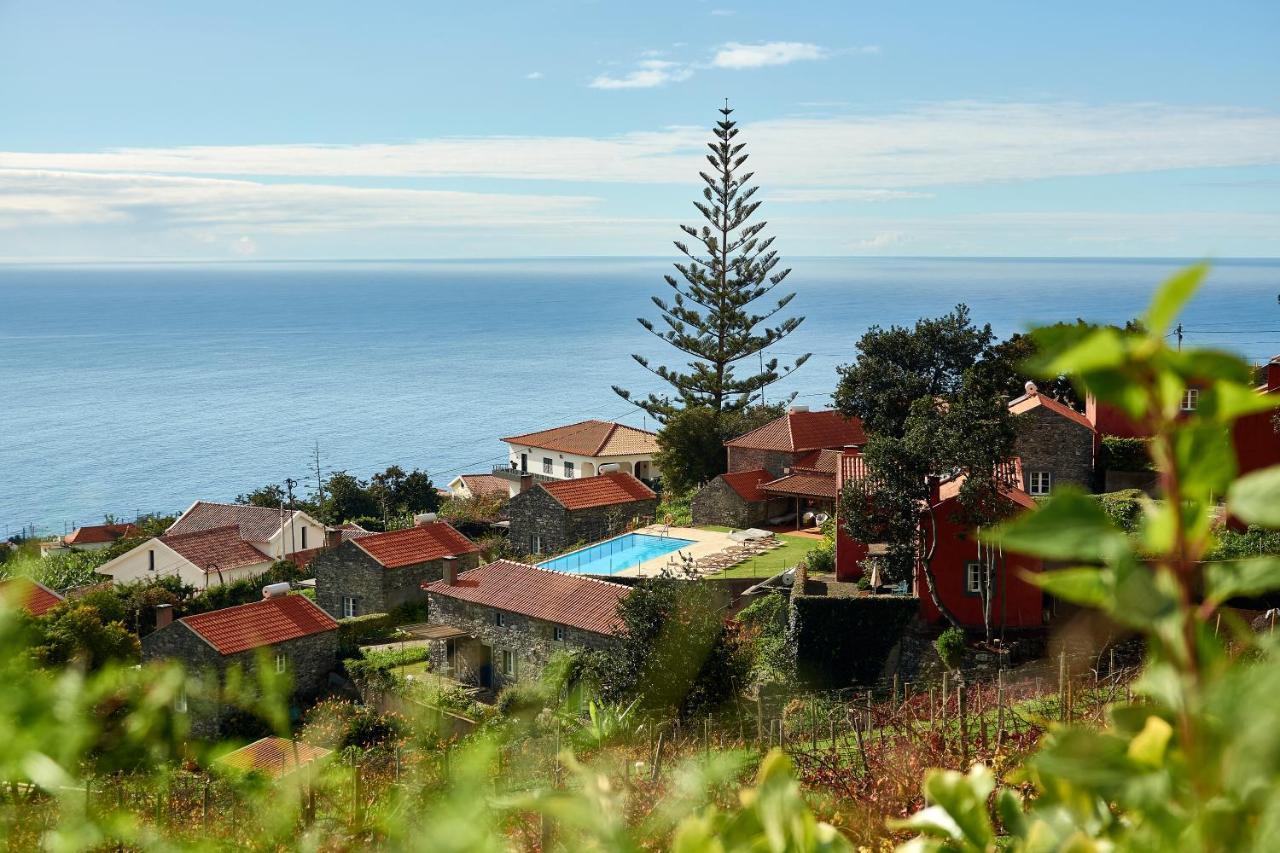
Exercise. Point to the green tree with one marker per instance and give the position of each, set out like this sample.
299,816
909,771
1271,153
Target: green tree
691,447
77,633
711,318
271,495
347,498
417,493
1192,762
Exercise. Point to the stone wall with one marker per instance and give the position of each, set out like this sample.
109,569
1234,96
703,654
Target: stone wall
532,640
310,660
749,459
534,513
718,503
349,571
1049,442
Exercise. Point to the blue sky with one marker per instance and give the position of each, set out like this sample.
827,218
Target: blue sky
377,130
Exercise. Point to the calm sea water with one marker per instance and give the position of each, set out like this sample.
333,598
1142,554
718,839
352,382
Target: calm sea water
126,388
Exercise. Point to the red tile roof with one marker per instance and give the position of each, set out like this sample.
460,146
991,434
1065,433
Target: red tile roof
591,438
796,432
215,548
273,757
94,534
747,483
32,596
820,460
351,530
256,523
565,599
806,483
262,623
431,541
486,485
604,490
1010,472
1027,402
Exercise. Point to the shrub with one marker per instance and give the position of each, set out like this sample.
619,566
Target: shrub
355,631
1254,542
1124,508
1124,454
950,645
677,505
376,669
843,641
524,699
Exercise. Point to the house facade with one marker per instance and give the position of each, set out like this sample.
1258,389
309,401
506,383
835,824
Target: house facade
287,632
276,533
792,440
575,451
500,623
553,516
479,486
736,500
201,559
382,571
1057,444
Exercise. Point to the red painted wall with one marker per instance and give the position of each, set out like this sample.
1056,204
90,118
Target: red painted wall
849,553
957,546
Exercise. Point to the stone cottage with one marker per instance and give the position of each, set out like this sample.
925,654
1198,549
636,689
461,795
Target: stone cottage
501,622
287,632
551,517
382,571
736,500
793,441
1055,443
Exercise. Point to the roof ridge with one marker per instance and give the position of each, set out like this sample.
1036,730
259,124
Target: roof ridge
258,603
204,531
535,566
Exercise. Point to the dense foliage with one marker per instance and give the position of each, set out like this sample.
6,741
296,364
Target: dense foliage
691,447
711,319
1124,454
842,641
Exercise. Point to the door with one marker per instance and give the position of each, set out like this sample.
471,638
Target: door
486,666
524,463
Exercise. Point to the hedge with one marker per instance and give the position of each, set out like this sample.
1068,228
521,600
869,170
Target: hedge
1124,508
1124,454
843,641
356,630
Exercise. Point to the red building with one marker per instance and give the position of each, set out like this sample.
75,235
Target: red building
962,567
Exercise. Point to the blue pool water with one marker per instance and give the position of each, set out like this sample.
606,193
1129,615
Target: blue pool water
615,555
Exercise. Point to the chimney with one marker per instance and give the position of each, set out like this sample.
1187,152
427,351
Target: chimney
526,482
451,570
164,615
795,410
332,537
935,488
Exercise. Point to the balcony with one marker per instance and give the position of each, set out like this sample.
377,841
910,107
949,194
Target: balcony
506,472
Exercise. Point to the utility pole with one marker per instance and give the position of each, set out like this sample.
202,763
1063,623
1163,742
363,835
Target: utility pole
315,459
289,483
1179,331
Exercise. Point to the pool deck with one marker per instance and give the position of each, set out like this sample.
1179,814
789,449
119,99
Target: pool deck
705,543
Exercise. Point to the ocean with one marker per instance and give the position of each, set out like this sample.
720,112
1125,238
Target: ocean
141,388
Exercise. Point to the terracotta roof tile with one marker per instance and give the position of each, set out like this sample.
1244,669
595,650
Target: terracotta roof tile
796,432
1027,402
747,483
820,460
565,599
591,438
273,757
604,490
215,548
256,523
486,485
351,530
1011,472
806,483
262,623
32,596
94,534
431,541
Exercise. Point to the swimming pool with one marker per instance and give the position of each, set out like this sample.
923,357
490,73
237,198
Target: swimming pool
615,555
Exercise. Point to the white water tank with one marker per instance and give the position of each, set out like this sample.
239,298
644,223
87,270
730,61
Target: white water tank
275,590
423,518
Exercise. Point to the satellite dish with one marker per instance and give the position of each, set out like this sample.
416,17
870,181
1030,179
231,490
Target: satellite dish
1031,387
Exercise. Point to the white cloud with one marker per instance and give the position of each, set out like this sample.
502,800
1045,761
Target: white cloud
803,196
723,13
647,74
533,75
736,55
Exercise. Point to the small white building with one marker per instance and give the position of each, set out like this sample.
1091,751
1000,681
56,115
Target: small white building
91,537
478,486
214,543
584,449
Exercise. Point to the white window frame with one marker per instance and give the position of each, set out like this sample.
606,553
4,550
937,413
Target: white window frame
569,469
973,570
348,606
499,619
1190,400
304,537
282,662
548,467
1039,483
507,662
559,633
180,701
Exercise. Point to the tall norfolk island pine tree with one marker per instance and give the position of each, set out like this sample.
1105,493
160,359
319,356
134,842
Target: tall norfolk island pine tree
710,317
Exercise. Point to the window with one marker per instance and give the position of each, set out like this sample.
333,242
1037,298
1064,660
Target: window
499,618
1039,482
559,633
536,546
180,703
1190,399
568,470
507,663
304,537
151,561
973,578
348,606
282,662
547,466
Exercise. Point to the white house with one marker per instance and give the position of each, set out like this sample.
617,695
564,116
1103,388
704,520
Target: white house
478,485
213,543
201,559
583,449
91,537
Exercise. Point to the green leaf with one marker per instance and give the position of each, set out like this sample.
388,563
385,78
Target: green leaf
1082,586
1255,498
1205,458
1227,401
1225,581
1069,526
1148,747
1101,349
1171,297
1205,365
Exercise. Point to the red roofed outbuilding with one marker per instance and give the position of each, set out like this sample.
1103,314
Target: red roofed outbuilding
288,633
381,572
552,516
501,622
32,596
